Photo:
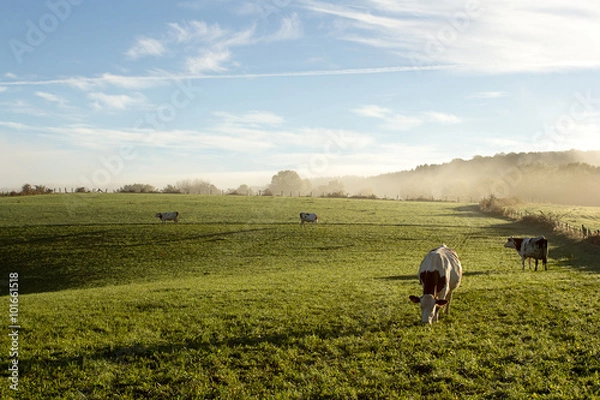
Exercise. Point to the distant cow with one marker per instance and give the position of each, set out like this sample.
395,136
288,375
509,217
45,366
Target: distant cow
440,273
168,216
536,248
308,217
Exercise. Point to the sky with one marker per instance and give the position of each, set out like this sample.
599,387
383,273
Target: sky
106,93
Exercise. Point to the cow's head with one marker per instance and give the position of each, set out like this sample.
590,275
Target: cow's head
429,307
511,243
159,215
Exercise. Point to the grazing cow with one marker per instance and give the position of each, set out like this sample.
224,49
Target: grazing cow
440,273
308,217
168,216
536,248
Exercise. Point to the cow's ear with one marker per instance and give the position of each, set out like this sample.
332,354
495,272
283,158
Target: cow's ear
441,302
415,299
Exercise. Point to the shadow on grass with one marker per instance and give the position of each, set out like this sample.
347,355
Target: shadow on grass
564,252
80,257
470,211
50,263
141,353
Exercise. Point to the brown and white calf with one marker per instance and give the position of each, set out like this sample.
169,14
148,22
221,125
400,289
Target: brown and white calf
440,273
168,216
308,217
536,248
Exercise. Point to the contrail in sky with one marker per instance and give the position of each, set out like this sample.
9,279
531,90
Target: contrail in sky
123,80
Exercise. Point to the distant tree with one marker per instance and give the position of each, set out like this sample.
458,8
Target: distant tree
137,188
334,188
171,189
197,186
338,194
28,190
242,190
366,193
41,189
287,182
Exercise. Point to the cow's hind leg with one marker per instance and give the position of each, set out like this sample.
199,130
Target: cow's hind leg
536,264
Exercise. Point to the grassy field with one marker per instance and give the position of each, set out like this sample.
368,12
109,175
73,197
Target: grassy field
573,215
238,301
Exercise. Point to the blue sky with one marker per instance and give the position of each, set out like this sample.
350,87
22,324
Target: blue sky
102,94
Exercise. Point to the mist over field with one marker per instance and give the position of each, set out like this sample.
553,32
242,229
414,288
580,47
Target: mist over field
571,177
568,177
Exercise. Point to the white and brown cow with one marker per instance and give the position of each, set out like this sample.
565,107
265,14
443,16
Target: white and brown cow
168,216
308,217
536,248
440,273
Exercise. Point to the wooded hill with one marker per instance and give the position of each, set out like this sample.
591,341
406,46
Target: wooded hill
569,177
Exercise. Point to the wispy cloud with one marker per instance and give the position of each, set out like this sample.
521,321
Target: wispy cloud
474,35
391,120
61,101
208,47
193,31
146,47
14,125
290,29
373,111
103,101
250,132
208,61
442,118
175,34
19,106
209,44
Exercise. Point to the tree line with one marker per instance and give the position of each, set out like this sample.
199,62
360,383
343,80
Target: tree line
284,183
571,177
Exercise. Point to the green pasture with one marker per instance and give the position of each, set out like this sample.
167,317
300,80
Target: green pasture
238,301
571,214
